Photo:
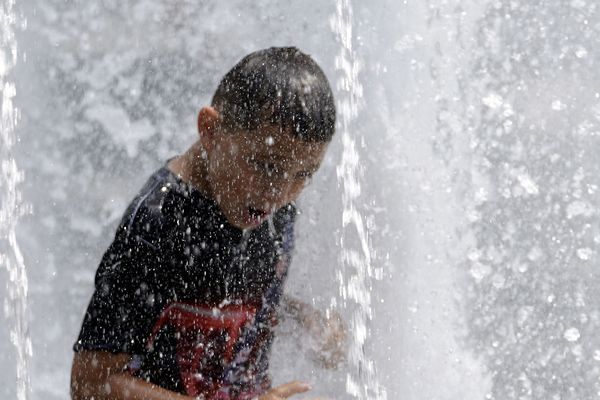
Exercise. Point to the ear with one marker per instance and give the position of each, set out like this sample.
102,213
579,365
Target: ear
208,120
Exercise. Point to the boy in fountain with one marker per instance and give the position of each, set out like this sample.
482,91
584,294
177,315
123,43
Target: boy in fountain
189,291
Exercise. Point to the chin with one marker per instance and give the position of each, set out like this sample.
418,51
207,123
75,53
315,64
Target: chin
250,225
242,223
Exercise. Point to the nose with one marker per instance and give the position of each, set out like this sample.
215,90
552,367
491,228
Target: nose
276,194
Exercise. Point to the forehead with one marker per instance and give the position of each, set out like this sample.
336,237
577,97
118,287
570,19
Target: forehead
277,144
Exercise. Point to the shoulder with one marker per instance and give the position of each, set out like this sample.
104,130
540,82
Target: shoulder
142,236
149,211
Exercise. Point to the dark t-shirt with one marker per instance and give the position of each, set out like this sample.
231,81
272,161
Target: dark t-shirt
191,297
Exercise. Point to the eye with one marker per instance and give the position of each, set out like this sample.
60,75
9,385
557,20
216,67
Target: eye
304,175
267,168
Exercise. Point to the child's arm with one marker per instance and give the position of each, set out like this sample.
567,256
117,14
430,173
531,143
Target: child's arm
99,375
327,328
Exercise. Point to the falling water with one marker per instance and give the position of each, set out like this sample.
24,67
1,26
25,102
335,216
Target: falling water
357,263
11,206
533,308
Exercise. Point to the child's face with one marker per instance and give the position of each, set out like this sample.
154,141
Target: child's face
252,174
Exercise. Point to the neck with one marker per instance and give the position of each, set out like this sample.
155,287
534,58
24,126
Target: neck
191,167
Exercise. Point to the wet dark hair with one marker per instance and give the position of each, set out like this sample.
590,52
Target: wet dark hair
279,85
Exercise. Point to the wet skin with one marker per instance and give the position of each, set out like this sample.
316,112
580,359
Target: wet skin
250,174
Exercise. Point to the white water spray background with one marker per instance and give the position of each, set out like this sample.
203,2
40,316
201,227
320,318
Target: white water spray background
475,140
12,208
533,305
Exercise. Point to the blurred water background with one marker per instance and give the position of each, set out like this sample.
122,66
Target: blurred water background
476,138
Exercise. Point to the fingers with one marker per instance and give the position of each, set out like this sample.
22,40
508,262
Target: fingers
289,389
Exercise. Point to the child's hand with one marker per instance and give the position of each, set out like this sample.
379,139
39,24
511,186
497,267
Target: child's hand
329,333
326,339
285,391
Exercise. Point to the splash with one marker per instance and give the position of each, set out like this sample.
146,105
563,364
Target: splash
533,300
357,272
11,206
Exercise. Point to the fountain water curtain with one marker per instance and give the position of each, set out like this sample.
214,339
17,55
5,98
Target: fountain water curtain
357,271
533,306
11,205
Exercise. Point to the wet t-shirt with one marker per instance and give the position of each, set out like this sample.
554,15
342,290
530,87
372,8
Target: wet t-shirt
192,298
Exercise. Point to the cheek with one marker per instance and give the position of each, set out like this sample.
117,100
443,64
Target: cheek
294,192
245,183
235,171
246,177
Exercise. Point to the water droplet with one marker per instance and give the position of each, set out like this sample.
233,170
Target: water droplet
577,208
474,255
572,335
528,184
498,281
581,52
558,105
479,271
493,100
535,254
584,253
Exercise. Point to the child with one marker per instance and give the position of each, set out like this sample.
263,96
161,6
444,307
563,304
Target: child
188,293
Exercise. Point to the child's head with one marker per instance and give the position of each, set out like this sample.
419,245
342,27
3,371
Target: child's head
279,86
271,120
